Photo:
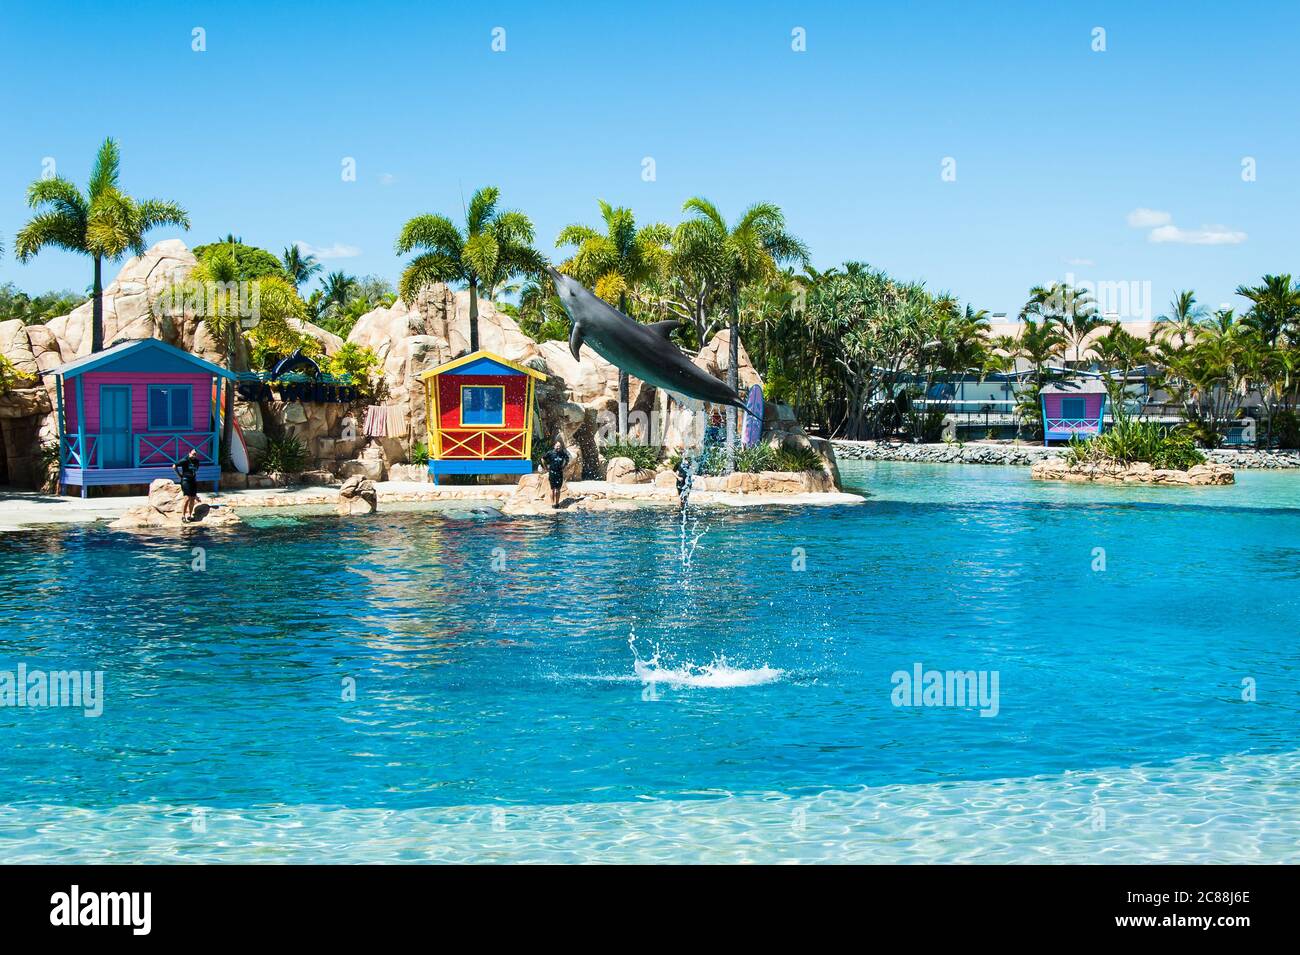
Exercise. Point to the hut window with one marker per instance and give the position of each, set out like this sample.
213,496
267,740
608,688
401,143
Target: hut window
1074,409
482,404
169,407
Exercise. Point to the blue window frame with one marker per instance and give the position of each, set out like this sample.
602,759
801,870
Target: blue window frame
483,405
170,407
1074,409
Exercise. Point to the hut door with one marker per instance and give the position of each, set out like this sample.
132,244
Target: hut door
115,426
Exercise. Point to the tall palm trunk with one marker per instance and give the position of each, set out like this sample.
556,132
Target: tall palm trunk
733,360
97,312
473,315
622,381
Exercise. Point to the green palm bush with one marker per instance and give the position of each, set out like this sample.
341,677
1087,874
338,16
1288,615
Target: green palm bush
644,456
285,455
1134,441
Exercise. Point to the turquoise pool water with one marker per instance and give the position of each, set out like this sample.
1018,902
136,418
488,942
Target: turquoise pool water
462,686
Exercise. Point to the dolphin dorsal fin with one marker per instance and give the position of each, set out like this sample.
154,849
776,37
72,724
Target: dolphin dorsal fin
575,341
665,327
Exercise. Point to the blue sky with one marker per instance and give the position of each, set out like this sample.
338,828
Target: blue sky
1055,145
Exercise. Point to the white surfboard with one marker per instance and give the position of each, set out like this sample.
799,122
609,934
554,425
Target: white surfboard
239,450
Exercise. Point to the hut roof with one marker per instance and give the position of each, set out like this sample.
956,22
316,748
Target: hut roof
485,357
150,348
1075,386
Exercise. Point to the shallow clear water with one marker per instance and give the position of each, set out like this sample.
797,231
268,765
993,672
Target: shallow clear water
558,689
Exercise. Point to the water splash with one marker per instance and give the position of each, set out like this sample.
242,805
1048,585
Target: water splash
718,674
690,531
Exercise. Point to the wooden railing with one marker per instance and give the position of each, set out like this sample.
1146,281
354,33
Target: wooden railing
72,456
164,450
1073,425
482,444
147,450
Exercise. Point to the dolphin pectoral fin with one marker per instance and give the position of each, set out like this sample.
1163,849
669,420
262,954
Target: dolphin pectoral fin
664,328
575,341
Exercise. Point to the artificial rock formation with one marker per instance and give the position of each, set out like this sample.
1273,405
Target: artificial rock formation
625,471
358,495
533,496
164,508
1200,475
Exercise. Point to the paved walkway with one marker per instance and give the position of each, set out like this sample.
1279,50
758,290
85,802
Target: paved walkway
19,509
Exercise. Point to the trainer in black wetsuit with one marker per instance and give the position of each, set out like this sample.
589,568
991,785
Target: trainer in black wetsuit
187,469
556,460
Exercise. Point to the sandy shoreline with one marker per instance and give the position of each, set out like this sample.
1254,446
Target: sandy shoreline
27,509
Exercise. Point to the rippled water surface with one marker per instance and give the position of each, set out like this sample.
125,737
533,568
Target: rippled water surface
562,684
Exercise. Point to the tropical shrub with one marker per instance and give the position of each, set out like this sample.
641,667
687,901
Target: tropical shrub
1286,428
798,459
357,361
11,377
1135,441
644,456
285,455
38,309
419,453
250,261
760,457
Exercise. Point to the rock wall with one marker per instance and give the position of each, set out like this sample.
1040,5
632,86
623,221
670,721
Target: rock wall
1016,454
1029,454
1200,475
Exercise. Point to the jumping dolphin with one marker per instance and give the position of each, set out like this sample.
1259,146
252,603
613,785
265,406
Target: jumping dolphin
643,351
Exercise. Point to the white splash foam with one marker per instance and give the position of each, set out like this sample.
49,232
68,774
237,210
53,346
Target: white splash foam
718,674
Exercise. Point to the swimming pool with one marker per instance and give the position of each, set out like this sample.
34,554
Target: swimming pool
462,686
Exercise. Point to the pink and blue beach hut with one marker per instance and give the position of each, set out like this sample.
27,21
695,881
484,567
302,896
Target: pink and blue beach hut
128,413
1073,408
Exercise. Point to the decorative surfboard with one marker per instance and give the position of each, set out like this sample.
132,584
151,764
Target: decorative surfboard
753,426
239,450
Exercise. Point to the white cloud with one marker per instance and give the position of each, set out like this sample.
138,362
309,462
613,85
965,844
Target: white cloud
1144,218
1080,263
1205,235
336,251
387,179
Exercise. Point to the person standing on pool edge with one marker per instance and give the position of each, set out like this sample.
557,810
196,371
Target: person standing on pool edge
187,469
556,460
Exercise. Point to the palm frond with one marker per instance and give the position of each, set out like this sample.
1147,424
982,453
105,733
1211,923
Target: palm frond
103,175
434,232
425,270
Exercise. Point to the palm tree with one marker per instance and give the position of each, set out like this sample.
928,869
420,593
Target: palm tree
1184,318
1120,351
299,267
494,246
1275,307
338,288
104,223
749,252
1039,343
214,284
1071,309
615,262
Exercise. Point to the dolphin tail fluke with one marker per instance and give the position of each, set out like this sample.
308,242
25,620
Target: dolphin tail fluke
575,341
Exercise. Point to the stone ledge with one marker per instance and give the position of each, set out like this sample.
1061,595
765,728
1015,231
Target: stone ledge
1025,455
1200,475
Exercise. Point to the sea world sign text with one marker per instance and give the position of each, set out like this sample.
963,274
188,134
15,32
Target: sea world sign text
316,391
